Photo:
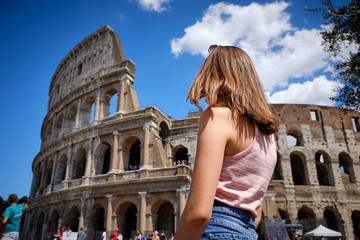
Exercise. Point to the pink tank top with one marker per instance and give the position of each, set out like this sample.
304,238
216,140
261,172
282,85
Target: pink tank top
245,176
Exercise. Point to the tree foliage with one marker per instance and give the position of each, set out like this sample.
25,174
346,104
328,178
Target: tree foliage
344,31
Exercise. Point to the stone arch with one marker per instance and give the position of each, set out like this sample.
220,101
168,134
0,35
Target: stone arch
96,222
71,117
49,129
346,167
32,221
37,173
86,113
39,226
355,217
306,217
180,154
127,218
298,168
102,158
165,217
164,131
284,215
132,153
108,97
61,169
48,172
54,221
323,169
58,125
72,218
332,220
294,138
79,163
278,173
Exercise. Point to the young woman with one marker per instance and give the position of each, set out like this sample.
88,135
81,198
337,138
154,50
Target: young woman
236,152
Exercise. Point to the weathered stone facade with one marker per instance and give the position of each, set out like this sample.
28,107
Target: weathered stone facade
98,169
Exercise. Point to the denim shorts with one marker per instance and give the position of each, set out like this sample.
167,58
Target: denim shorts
10,236
230,223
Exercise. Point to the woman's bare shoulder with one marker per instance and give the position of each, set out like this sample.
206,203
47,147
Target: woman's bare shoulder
217,113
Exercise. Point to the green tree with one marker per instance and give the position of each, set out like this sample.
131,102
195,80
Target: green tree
344,31
2,206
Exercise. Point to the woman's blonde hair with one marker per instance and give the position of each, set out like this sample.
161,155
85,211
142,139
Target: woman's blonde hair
228,78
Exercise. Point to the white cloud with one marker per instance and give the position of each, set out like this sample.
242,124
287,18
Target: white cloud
278,50
316,92
154,5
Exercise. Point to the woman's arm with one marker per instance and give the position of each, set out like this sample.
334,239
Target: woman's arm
212,139
259,213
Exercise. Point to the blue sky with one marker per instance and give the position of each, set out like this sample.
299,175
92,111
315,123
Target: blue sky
167,40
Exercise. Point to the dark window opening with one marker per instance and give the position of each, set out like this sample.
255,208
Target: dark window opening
79,69
130,221
134,157
181,157
106,165
165,219
297,168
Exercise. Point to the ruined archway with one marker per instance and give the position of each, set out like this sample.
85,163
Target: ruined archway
110,104
165,218
96,222
39,226
164,132
134,156
294,138
37,177
277,175
346,168
323,169
53,222
306,217
58,125
130,221
79,164
48,173
332,220
86,111
102,158
61,169
72,218
355,217
71,117
297,168
284,215
181,155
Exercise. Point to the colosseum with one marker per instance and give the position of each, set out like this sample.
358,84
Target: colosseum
131,168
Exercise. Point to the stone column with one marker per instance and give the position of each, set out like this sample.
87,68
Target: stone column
142,210
82,208
182,200
86,179
286,171
78,115
114,159
146,156
97,110
336,172
68,166
109,212
42,181
121,96
269,205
